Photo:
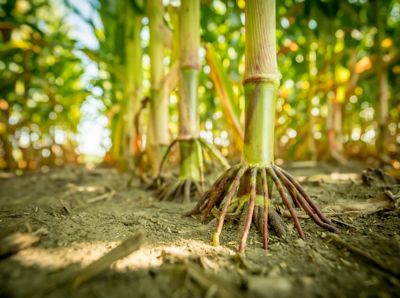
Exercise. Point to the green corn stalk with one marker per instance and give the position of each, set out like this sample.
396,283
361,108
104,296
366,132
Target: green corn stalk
189,32
157,133
261,82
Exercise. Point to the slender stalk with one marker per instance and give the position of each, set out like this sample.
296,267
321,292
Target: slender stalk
133,77
334,118
158,135
383,91
312,65
188,119
260,45
189,164
189,22
261,82
117,132
189,29
155,12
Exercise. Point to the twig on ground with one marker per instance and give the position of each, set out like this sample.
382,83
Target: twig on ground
361,253
66,206
105,196
211,283
86,188
98,266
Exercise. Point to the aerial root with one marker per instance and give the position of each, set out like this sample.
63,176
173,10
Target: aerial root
230,194
223,201
202,146
250,210
300,196
214,152
214,195
179,191
186,189
285,200
307,198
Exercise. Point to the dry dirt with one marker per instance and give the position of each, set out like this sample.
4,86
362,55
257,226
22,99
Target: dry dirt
79,218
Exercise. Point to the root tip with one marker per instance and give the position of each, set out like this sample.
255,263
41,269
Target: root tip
241,248
215,239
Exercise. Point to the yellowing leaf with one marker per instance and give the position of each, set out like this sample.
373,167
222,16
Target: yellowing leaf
363,64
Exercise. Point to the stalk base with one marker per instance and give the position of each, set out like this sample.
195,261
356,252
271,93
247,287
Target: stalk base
187,187
179,190
222,201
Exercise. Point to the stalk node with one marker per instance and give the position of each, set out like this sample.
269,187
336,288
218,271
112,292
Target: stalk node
191,65
273,78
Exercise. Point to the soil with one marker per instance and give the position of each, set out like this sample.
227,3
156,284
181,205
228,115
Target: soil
81,214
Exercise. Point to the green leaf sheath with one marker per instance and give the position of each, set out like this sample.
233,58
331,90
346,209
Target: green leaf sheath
260,104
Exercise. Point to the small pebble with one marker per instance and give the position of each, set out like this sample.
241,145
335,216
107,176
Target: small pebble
300,243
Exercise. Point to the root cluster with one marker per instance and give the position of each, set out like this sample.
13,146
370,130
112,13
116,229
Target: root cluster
185,190
179,191
223,200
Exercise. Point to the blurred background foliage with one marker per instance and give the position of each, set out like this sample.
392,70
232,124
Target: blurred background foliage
339,97
41,87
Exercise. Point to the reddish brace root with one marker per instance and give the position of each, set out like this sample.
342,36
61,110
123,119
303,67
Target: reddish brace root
226,187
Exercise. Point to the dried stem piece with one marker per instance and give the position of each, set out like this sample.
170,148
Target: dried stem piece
98,266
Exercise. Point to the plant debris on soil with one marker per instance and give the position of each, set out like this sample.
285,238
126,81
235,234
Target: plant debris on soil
85,233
